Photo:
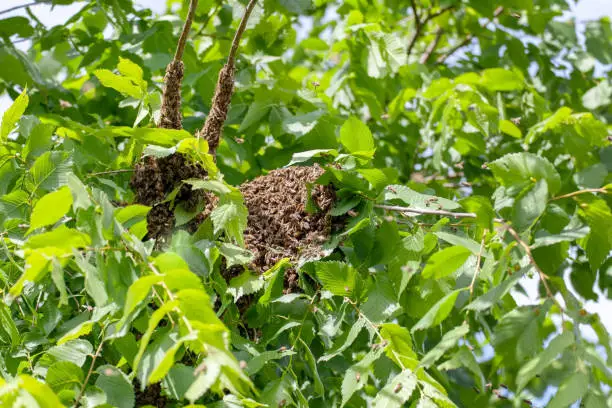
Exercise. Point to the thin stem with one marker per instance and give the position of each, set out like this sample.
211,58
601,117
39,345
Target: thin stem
477,271
91,367
417,20
34,3
585,191
180,48
243,23
432,46
468,38
205,23
419,25
532,260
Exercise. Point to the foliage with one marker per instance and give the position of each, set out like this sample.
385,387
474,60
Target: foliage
468,146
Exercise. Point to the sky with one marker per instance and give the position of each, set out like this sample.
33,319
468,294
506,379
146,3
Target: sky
583,11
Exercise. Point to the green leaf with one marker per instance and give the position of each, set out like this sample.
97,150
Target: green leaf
119,83
418,200
7,325
246,283
231,217
481,206
530,205
51,208
491,297
538,364
337,277
357,138
599,242
130,70
499,79
448,341
116,386
517,170
50,171
12,115
235,255
345,342
510,129
64,375
137,292
438,312
598,96
399,349
570,390
465,242
445,262
356,377
75,351
397,392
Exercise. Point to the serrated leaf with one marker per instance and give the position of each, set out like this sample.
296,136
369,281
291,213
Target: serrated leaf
356,377
397,392
12,115
337,277
570,390
49,171
235,255
246,283
64,375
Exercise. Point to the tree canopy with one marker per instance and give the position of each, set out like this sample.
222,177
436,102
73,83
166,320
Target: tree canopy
305,203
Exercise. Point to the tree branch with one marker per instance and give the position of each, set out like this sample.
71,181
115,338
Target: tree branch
432,46
419,25
468,38
180,48
213,127
245,18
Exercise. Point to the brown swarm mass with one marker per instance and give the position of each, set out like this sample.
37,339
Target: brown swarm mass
278,224
155,178
170,111
213,126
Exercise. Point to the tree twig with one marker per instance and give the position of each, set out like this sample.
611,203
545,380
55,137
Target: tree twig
243,23
213,127
432,46
419,25
477,271
91,367
585,191
468,39
34,3
180,48
205,22
425,211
